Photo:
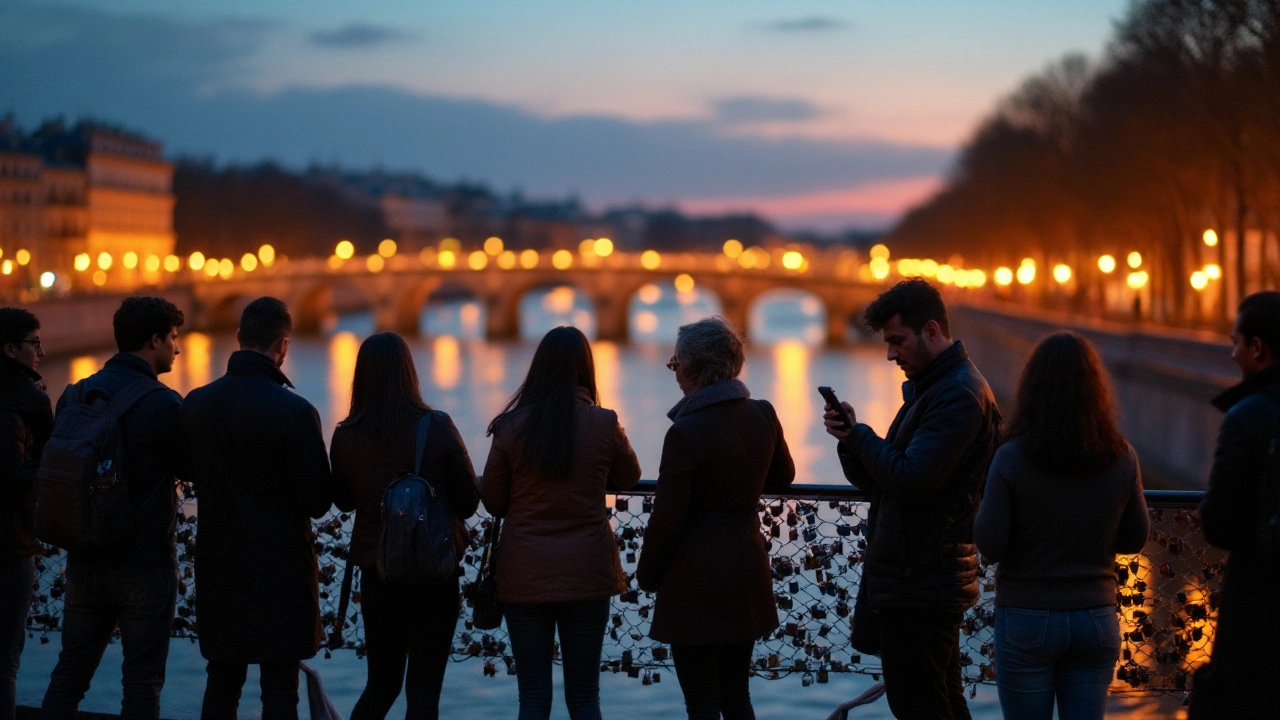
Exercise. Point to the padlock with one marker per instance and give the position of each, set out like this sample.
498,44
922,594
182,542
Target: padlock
622,504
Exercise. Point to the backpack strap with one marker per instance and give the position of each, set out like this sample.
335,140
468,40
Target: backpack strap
130,394
424,425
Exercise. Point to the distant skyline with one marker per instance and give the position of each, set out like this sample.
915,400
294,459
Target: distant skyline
814,114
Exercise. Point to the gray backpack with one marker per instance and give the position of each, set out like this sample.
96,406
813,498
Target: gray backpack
416,544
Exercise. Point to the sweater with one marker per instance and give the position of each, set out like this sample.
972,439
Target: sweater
1055,534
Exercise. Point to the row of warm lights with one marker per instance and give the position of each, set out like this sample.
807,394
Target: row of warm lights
449,255
196,261
755,257
944,273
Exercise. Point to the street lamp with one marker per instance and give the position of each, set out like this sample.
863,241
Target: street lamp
1107,264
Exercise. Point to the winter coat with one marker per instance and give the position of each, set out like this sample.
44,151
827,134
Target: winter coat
364,466
557,542
925,480
26,421
260,473
154,459
704,554
1244,666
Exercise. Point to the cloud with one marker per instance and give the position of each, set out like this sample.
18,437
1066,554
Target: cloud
751,109
182,83
357,36
813,23
874,204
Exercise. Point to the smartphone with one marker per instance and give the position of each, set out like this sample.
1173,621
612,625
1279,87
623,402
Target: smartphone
830,396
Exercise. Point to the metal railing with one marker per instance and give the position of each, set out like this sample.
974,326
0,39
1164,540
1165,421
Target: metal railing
1167,599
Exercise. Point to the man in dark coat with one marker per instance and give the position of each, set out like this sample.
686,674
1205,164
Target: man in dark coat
260,473
1240,680
26,420
132,583
925,481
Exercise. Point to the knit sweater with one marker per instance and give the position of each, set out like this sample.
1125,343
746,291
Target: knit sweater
1055,534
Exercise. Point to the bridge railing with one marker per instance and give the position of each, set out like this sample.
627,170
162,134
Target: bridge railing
1167,599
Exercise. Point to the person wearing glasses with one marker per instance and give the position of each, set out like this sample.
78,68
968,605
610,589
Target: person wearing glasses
704,554
26,420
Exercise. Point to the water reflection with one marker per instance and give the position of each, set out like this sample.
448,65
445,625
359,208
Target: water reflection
793,397
344,347
781,315
446,367
545,308
463,318
658,309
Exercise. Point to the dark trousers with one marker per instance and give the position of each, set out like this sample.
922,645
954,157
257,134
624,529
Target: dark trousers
279,690
715,679
532,629
140,599
405,626
920,655
17,575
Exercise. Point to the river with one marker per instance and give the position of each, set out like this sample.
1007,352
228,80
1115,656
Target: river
471,379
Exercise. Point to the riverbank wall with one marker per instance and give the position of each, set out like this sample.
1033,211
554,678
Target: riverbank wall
1163,380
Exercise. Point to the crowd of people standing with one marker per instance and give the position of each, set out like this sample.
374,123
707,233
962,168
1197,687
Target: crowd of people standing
1053,496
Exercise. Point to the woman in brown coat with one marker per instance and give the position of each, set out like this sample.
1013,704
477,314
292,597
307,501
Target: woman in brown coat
704,553
403,624
555,453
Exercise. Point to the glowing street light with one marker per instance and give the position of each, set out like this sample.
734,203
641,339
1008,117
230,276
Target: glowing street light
1026,272
1211,238
345,249
732,248
226,268
529,259
447,259
104,261
249,262
172,263
1107,264
946,274
196,261
1134,260
929,268
507,260
23,256
879,250
1004,276
153,263
684,283
130,260
1199,280
562,260
477,260
493,246
387,248
650,259
47,279
267,255
375,263
1138,280
1213,271
1062,274
82,261
792,260
879,268
604,247
977,278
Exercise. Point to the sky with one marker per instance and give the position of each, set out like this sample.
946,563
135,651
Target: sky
817,114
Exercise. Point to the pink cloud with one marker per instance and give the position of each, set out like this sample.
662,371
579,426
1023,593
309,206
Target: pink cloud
887,200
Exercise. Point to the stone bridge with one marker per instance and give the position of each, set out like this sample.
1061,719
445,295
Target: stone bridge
396,289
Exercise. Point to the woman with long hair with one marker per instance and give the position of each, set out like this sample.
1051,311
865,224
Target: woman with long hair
704,554
1063,497
555,454
404,625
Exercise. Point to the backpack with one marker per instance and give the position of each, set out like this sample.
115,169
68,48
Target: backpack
82,496
416,544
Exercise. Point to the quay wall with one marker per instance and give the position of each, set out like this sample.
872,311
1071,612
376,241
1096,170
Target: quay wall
1163,380
83,323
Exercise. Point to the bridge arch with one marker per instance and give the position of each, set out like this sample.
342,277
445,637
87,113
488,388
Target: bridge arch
505,316
313,303
642,302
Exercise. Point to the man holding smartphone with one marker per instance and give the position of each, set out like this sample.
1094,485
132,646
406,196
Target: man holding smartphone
925,481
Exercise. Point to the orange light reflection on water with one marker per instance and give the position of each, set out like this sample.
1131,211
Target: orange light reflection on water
793,399
446,364
344,347
82,367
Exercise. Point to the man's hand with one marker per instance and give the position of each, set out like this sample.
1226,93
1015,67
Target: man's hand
836,426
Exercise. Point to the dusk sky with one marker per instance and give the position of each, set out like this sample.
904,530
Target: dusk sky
815,114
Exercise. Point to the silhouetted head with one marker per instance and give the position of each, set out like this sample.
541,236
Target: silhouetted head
561,373
1255,337
20,336
707,351
912,319
265,327
384,391
148,327
1065,417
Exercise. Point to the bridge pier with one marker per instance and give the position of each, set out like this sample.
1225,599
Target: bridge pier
735,311
502,317
612,319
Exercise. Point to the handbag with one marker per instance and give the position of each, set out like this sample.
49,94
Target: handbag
486,613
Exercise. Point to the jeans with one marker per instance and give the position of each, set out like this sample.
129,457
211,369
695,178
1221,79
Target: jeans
279,683
715,679
920,657
100,596
410,626
532,630
1069,655
17,575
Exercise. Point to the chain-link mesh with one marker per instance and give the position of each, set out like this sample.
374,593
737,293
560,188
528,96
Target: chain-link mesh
1167,600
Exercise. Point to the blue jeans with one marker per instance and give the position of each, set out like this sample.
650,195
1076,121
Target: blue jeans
1067,655
99,596
532,629
17,575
